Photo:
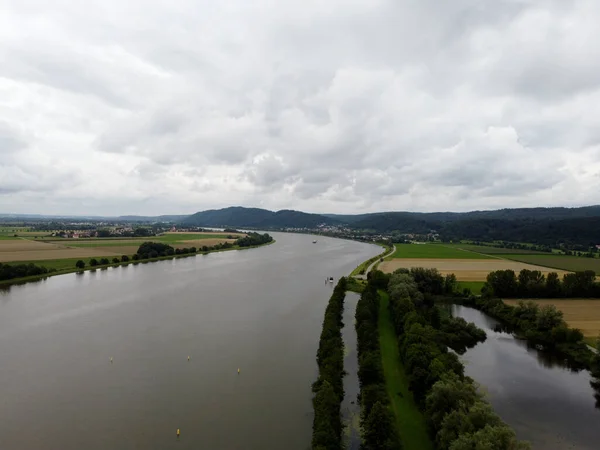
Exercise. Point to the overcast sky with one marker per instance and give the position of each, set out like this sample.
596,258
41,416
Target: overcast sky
343,106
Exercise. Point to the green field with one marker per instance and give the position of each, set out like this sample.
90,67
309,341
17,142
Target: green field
6,238
179,237
434,251
120,242
60,264
475,286
495,250
570,263
410,423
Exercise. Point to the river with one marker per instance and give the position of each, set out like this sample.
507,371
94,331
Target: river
259,310
543,401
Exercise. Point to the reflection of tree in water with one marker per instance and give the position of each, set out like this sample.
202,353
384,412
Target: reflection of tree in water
595,371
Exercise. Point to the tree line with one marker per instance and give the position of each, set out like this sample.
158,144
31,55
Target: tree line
12,271
543,325
378,431
457,416
252,239
149,250
329,388
533,284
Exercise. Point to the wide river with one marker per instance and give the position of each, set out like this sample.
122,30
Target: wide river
544,402
258,310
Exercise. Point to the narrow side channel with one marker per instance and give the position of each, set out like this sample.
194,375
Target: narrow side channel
350,406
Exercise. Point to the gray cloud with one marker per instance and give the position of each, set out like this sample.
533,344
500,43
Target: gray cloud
335,106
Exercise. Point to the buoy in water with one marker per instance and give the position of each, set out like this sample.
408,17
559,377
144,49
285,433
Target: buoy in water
188,358
111,359
177,432
238,370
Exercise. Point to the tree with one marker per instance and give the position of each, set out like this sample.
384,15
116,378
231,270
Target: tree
489,438
124,258
104,261
93,262
326,406
80,264
503,283
378,432
553,287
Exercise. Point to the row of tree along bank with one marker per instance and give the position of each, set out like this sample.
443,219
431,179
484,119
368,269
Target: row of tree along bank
533,284
540,325
457,415
153,250
329,388
13,271
378,431
147,251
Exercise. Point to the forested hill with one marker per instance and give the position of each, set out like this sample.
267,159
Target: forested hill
238,216
536,225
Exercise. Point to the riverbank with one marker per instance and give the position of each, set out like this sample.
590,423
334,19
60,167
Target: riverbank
410,422
363,269
23,280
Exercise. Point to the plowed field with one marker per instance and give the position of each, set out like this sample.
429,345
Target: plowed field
464,269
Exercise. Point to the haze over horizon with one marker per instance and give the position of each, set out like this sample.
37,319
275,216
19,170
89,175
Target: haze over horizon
152,107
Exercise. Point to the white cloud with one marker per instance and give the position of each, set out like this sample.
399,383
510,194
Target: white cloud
152,107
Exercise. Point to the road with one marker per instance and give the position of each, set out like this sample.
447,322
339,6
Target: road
383,255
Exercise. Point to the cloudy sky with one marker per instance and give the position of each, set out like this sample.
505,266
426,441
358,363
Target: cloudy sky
166,107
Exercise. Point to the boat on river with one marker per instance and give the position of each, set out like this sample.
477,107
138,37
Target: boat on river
331,279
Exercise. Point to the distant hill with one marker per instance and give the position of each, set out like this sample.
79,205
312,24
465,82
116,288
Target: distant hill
238,216
536,225
167,218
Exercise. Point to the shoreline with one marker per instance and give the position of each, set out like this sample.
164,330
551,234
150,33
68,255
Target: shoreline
23,280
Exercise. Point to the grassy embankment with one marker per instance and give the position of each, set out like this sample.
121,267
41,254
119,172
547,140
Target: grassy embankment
67,265
365,265
474,286
410,423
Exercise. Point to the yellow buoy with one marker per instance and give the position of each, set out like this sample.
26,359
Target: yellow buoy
238,370
188,358
111,359
177,432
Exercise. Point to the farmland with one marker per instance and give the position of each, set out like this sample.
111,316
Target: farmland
29,250
436,251
494,250
582,314
569,263
464,269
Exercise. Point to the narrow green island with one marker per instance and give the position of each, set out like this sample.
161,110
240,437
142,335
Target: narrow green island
414,394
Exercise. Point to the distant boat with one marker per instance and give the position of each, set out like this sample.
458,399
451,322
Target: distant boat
315,241
331,279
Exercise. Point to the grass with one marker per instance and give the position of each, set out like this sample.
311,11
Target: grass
356,285
475,286
179,237
59,264
365,265
561,262
495,250
6,238
434,251
410,423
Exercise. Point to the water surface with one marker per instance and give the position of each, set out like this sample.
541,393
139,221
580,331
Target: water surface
350,407
542,400
259,310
